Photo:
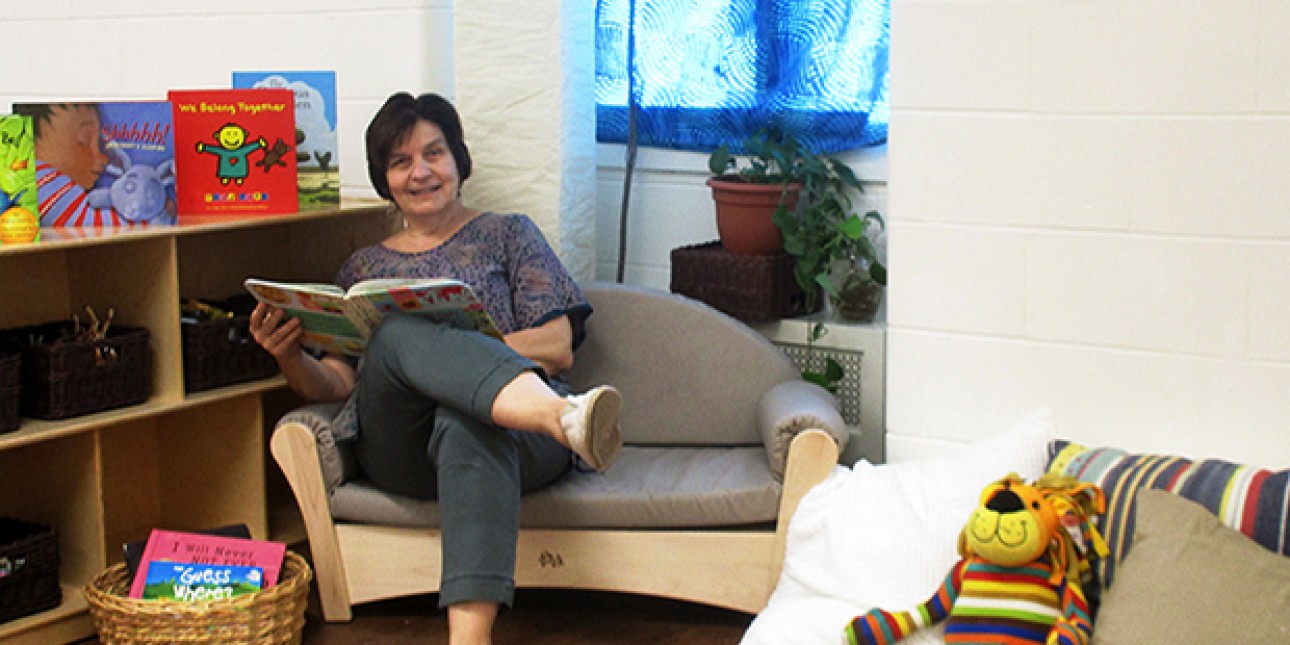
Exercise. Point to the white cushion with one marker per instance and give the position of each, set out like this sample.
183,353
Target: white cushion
885,535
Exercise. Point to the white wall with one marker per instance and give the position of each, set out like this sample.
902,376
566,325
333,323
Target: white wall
1088,212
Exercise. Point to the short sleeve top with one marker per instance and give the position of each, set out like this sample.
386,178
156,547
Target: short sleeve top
504,258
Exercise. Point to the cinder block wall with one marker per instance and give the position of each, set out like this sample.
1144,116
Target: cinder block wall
1089,211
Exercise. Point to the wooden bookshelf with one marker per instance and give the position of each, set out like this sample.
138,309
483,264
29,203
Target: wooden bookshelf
178,460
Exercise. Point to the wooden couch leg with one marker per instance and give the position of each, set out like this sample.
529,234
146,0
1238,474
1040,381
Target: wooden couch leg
293,446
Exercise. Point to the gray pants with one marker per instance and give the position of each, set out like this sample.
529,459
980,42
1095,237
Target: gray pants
425,398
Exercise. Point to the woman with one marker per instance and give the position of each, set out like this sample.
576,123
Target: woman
450,414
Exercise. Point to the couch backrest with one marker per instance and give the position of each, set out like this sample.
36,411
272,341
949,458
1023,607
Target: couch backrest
689,374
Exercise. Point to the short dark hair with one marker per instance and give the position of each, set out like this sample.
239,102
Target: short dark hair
396,119
44,112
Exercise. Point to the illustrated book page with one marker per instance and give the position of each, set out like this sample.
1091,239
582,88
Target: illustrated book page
339,322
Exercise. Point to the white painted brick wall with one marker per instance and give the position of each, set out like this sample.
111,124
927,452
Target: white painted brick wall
1089,213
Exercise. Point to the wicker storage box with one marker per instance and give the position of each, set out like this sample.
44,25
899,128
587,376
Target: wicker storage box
222,352
28,569
68,379
752,288
9,418
275,615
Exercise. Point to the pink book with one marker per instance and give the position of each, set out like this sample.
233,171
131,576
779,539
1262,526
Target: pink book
196,548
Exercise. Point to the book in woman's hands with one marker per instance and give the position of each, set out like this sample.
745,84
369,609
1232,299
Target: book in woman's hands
340,322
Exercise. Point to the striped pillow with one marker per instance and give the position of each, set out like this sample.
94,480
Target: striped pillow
1254,501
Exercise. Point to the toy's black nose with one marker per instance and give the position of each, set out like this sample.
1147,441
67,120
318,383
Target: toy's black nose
1005,501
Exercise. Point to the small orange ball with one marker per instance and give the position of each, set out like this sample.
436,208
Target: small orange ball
18,225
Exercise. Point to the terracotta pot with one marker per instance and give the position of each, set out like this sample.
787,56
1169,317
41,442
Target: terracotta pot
744,214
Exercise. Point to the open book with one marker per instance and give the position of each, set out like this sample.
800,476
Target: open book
340,322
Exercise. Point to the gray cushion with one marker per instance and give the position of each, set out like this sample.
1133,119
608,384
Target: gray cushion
338,462
791,407
677,487
689,374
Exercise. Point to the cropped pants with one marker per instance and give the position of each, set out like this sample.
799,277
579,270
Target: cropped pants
425,398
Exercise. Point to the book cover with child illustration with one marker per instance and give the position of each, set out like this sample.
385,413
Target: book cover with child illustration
317,161
235,151
108,163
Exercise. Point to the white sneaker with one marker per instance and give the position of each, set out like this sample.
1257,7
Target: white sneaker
590,422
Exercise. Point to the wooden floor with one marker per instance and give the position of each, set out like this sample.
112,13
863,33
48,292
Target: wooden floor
541,617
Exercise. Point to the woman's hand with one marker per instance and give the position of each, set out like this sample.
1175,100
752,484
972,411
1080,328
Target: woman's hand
275,332
326,379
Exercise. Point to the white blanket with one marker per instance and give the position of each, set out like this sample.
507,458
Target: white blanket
885,536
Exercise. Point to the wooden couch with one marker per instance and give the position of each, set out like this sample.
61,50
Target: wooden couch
695,508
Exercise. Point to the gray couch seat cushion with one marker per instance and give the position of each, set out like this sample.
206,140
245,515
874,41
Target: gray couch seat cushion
648,487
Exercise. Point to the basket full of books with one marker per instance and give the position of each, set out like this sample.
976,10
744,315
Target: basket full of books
202,598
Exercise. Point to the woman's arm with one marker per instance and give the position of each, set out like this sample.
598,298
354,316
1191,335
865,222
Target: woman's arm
326,379
549,345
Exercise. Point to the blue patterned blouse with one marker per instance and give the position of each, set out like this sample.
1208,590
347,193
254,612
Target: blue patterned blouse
504,258
508,263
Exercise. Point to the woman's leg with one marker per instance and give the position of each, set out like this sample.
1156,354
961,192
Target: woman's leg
412,364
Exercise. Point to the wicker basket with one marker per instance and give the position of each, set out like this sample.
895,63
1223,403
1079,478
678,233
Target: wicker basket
275,615
222,352
28,568
9,391
68,379
752,288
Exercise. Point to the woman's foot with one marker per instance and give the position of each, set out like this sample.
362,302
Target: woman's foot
590,424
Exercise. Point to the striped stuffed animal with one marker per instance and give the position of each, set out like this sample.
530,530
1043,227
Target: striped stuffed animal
1023,551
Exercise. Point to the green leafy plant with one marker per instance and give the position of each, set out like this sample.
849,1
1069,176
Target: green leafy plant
770,159
823,227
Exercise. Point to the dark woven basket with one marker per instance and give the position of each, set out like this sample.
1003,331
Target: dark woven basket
9,390
28,569
222,352
752,288
68,379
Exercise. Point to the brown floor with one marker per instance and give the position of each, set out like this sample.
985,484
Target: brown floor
540,617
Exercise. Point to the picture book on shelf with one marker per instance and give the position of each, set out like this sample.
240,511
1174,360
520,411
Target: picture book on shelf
19,218
235,151
193,582
340,322
317,160
108,163
165,546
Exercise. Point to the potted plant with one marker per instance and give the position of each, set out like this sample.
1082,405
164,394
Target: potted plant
826,236
748,190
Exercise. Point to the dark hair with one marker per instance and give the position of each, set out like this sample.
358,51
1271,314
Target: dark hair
396,119
44,112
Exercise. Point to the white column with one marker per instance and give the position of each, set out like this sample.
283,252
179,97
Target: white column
525,75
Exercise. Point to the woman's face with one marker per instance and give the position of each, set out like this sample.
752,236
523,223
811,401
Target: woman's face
422,173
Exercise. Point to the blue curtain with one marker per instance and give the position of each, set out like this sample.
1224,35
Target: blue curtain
707,72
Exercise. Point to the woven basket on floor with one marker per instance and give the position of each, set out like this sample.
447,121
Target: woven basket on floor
275,615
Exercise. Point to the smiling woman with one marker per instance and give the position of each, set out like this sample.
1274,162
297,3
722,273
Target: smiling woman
437,412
